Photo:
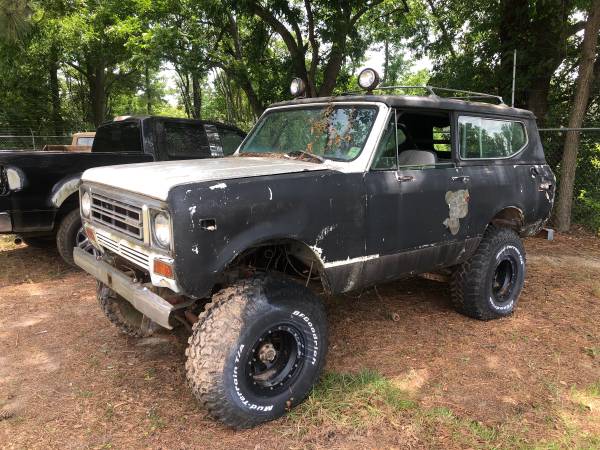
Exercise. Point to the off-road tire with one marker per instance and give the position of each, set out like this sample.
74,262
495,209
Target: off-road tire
66,236
224,340
122,314
472,282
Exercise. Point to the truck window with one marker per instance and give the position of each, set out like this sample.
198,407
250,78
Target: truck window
230,140
184,140
490,138
414,139
118,137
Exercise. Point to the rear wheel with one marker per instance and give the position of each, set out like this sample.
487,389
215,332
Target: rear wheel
257,350
489,284
122,314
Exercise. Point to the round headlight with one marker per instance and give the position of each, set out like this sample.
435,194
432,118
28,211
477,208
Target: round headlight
368,79
162,229
297,88
86,204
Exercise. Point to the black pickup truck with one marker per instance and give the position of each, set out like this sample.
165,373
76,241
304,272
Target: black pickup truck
39,199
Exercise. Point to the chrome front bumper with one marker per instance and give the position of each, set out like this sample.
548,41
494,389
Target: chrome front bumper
145,301
5,223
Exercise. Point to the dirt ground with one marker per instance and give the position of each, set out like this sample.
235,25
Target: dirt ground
68,379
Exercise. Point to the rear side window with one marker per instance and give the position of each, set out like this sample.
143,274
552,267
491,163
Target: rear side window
490,138
118,137
230,140
184,140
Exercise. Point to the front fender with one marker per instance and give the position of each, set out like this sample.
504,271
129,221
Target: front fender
63,189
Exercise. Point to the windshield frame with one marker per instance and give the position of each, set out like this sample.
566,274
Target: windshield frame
378,106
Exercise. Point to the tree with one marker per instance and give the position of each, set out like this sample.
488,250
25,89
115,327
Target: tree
97,45
580,103
332,30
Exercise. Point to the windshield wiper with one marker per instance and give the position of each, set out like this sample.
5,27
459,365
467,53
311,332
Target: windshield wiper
303,152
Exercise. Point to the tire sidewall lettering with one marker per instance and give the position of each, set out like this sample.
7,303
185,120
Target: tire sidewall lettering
517,256
250,400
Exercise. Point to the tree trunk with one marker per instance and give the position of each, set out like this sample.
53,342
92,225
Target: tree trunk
97,83
582,95
57,122
196,97
148,89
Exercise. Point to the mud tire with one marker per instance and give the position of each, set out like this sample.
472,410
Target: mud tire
472,283
122,314
66,236
224,339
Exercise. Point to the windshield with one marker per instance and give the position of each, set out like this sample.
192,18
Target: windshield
332,132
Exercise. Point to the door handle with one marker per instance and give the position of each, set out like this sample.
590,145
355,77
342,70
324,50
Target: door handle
404,178
463,178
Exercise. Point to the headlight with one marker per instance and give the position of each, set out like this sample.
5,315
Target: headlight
86,204
162,229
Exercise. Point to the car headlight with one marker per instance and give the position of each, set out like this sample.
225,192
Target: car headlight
86,204
162,229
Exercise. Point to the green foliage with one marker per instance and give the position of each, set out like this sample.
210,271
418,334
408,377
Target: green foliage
351,401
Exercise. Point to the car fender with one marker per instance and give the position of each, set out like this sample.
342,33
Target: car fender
63,189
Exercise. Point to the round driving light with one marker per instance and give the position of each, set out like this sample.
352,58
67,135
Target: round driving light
368,79
86,204
162,229
297,88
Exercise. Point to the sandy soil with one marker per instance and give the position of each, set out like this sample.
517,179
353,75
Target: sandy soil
68,379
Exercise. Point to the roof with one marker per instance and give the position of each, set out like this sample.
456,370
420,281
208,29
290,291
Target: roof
413,101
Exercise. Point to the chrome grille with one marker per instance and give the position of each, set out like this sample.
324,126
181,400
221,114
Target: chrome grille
118,215
123,249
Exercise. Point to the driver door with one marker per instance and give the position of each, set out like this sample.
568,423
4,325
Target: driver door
408,214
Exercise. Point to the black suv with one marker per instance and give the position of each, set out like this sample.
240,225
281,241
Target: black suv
350,191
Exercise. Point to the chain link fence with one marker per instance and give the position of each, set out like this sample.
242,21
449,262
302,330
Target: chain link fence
31,141
586,204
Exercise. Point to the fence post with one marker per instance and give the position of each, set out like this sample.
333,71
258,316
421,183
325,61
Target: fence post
32,138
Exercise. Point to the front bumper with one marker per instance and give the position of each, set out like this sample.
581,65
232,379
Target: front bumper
5,223
144,300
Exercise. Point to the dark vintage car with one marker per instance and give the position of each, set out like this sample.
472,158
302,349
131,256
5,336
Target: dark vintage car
39,199
351,191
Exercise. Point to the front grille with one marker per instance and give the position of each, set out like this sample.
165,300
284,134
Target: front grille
118,215
123,249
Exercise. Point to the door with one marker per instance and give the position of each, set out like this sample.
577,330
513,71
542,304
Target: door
416,197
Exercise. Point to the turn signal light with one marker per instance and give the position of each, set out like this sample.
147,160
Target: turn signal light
164,269
91,235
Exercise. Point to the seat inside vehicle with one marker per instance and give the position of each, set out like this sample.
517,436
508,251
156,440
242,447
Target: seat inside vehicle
417,158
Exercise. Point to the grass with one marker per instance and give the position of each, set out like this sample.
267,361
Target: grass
351,401
366,401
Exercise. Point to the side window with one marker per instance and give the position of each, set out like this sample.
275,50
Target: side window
490,138
415,139
230,140
185,140
386,154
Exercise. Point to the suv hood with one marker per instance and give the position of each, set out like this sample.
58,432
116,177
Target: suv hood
157,178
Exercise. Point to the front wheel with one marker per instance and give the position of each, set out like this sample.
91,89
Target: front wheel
257,350
488,285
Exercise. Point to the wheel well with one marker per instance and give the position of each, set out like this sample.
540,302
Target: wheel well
289,256
509,217
70,203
